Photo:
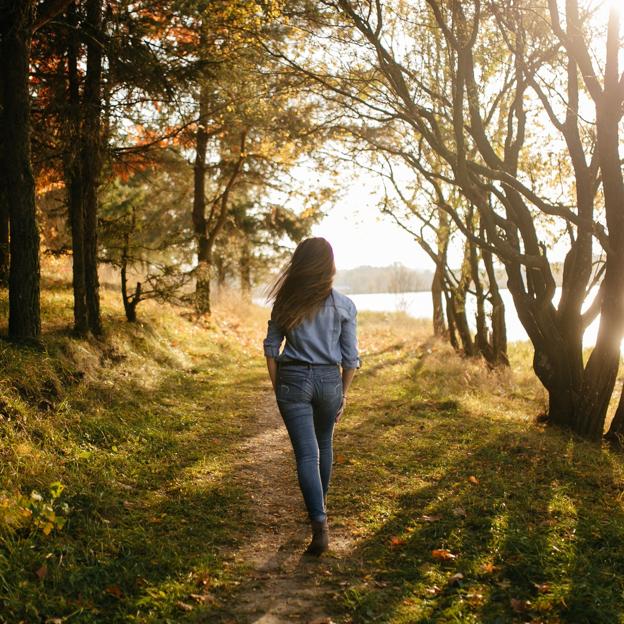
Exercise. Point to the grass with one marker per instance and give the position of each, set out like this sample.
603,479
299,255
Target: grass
139,431
464,509
461,507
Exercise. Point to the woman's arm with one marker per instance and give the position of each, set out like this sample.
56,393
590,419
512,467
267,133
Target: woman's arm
347,378
272,366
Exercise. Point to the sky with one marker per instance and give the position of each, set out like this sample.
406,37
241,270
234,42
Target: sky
361,235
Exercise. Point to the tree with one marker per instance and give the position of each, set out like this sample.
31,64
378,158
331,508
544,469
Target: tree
514,79
16,27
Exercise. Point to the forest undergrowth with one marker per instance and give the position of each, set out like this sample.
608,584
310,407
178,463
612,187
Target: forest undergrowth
120,500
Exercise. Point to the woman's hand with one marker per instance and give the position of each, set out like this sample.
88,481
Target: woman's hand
342,407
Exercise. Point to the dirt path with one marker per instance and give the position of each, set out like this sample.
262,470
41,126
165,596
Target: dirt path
284,585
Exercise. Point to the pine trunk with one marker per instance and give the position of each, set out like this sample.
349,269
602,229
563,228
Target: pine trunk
24,272
73,178
4,232
92,160
202,282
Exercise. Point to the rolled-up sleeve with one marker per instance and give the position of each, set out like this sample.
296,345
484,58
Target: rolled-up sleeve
348,339
273,340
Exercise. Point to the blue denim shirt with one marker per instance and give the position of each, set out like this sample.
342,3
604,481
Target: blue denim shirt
328,338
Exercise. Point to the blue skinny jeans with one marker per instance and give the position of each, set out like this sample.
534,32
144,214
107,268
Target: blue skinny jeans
309,398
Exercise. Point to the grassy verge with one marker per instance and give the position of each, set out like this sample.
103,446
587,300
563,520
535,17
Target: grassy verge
116,500
464,509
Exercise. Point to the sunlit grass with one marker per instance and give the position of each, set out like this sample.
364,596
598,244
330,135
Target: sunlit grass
434,453
139,429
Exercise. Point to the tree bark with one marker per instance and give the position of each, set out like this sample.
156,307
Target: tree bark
616,428
200,225
4,232
221,270
92,159
73,176
244,266
439,326
24,272
602,366
499,327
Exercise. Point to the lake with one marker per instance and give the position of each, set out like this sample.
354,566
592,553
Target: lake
419,305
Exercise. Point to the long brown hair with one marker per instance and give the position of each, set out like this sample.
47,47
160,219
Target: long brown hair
304,283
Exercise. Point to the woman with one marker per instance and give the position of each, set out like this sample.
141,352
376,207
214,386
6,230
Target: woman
319,324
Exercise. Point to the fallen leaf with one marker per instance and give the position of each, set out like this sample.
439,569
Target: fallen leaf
396,541
542,587
456,578
443,554
473,480
519,606
434,518
340,459
488,568
42,572
459,512
475,599
433,590
184,606
321,620
114,590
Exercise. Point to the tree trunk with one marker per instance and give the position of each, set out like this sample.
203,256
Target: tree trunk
439,327
202,283
616,429
450,317
24,272
221,271
130,302
602,366
245,270
92,159
4,232
73,177
499,328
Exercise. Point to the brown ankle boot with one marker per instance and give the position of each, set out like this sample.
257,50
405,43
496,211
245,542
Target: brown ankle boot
320,538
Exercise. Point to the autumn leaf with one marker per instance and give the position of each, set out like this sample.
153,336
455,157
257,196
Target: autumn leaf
473,480
396,541
542,588
340,459
42,572
456,578
488,568
433,518
114,590
184,606
443,554
520,606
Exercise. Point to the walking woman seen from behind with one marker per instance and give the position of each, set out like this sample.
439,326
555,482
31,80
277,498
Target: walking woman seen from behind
312,375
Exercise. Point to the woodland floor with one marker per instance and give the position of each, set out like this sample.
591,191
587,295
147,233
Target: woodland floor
180,502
